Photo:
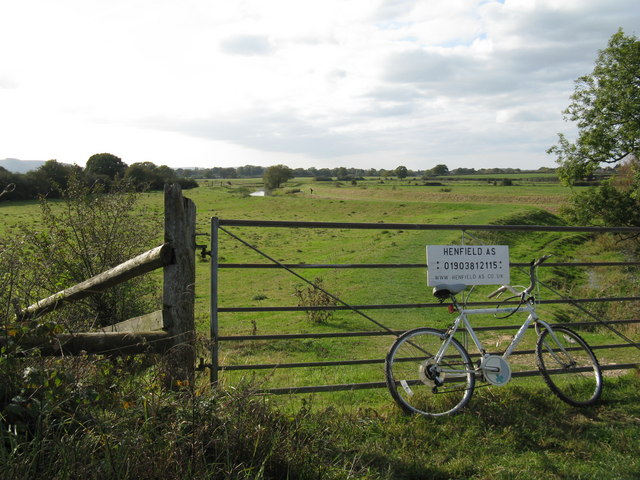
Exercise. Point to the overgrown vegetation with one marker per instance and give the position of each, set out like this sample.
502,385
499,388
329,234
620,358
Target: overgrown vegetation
90,231
198,434
315,296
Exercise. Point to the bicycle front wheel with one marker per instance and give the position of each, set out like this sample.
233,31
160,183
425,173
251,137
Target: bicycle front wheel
569,367
421,384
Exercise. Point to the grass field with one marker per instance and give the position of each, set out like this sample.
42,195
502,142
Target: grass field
372,201
393,201
517,431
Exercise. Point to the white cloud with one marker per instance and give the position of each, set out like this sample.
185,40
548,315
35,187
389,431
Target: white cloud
461,82
247,45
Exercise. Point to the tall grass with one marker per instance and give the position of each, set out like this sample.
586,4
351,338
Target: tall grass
511,432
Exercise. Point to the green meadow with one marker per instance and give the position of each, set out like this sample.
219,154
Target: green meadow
390,201
533,200
517,431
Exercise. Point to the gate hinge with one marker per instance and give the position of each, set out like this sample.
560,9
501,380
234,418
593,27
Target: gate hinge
203,248
202,365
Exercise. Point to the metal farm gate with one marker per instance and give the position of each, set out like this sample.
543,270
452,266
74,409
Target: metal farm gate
219,338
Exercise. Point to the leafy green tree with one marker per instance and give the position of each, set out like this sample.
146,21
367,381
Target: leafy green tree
52,176
342,174
463,171
438,170
402,172
13,186
229,172
605,106
614,203
143,175
250,171
276,175
105,165
147,175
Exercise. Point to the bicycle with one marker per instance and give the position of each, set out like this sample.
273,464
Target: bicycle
431,373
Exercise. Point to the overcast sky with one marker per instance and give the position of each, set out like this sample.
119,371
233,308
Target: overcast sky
363,83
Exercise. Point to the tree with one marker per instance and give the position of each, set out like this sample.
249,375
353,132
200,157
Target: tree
105,165
54,175
342,173
402,172
463,171
614,203
228,172
437,171
147,175
605,106
276,175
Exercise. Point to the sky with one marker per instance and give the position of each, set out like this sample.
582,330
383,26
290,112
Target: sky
353,83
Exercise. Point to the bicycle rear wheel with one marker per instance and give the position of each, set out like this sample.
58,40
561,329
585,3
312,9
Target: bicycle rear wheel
418,383
569,367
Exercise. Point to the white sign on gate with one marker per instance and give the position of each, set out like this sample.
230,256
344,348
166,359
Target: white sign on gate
468,264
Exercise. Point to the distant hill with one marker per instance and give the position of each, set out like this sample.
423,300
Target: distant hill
20,166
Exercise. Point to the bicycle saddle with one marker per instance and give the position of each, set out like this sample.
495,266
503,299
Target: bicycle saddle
445,290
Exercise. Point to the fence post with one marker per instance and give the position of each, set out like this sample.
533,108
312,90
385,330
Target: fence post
214,301
178,295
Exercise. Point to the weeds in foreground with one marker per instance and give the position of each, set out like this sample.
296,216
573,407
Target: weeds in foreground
513,432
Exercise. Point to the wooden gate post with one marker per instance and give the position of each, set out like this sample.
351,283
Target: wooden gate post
178,294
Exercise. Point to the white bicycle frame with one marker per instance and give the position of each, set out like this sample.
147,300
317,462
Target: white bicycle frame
462,319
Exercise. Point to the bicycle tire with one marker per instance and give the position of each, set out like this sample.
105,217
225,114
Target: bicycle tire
575,379
421,386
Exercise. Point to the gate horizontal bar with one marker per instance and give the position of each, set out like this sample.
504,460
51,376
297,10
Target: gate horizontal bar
272,366
311,308
341,363
410,265
373,385
294,336
417,226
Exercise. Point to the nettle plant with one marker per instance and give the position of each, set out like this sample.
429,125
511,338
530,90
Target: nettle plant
315,296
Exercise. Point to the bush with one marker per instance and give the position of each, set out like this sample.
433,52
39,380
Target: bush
315,296
90,232
187,183
41,398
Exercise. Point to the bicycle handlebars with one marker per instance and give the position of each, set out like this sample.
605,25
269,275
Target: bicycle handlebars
532,275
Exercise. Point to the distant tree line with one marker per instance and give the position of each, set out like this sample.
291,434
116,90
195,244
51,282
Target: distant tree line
254,171
53,177
343,173
105,168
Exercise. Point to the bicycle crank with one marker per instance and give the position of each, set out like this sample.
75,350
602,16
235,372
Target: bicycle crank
495,370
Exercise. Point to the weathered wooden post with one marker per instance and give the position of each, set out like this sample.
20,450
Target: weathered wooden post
178,295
